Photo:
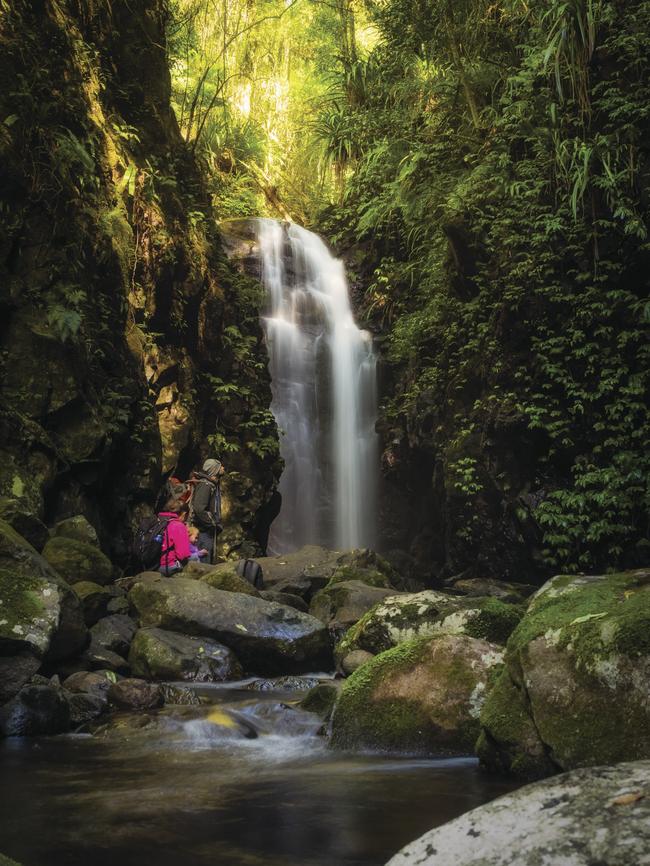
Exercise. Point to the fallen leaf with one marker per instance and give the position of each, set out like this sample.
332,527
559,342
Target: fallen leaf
587,617
626,799
240,626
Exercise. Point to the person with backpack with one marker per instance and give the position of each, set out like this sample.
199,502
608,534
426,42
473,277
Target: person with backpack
206,505
175,548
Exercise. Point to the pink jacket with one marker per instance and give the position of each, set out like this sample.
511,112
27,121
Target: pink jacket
176,542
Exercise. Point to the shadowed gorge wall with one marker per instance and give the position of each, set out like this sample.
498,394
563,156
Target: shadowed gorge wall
123,326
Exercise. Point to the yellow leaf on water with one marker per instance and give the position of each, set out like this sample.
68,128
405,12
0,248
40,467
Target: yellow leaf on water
218,717
627,799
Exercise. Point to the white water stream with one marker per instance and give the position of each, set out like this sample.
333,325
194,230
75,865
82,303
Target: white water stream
323,372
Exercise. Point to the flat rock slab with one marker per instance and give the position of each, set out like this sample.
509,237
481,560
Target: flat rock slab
599,815
267,637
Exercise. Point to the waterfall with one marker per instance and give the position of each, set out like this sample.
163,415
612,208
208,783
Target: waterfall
323,371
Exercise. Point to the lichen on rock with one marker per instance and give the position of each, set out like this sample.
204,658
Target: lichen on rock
576,689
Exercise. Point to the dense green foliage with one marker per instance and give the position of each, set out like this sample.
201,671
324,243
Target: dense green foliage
502,186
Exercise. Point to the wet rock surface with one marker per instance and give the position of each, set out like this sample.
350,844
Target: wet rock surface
78,560
399,618
423,697
267,637
164,655
575,690
582,818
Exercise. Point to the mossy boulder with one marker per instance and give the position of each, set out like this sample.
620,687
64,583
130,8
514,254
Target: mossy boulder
94,600
78,528
423,697
577,679
40,617
157,654
344,603
399,618
225,577
267,637
78,560
321,699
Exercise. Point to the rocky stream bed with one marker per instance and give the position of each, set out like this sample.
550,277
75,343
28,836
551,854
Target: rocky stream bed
329,718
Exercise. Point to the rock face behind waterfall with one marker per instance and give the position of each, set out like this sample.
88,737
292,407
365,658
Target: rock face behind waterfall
587,817
267,637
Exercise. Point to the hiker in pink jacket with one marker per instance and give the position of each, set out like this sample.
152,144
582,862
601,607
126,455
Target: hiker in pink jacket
176,541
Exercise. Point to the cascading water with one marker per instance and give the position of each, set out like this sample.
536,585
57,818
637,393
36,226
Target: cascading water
323,371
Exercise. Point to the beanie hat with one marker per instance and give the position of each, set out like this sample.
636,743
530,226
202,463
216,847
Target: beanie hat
211,467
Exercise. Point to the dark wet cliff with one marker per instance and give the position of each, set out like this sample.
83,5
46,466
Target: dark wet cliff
130,347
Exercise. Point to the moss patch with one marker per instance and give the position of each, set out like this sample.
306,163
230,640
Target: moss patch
495,621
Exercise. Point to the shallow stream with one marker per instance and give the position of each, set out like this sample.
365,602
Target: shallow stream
174,787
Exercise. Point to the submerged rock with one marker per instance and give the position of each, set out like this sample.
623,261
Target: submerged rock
583,818
164,655
268,638
78,560
576,687
423,697
40,617
400,618
35,710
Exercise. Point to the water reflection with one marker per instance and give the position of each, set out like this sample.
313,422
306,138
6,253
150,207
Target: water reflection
148,794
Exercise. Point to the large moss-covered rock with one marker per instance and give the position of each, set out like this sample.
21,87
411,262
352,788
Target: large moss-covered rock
78,560
576,688
583,818
266,637
78,528
400,618
423,697
157,654
345,602
40,617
